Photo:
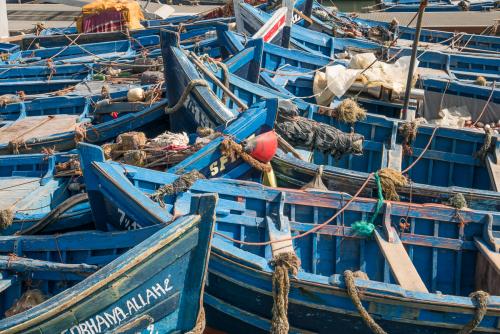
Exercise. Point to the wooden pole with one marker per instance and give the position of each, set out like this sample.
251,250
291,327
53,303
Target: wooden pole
4,22
287,30
421,10
308,8
237,15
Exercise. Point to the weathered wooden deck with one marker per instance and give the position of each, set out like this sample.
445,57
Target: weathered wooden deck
37,127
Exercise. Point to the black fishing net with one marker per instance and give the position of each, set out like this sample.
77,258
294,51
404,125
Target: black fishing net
302,132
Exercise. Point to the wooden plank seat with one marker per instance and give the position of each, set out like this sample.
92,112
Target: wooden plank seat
399,261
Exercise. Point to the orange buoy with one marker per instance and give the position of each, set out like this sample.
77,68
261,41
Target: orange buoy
262,147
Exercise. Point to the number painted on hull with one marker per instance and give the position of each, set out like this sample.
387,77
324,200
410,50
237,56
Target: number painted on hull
199,115
126,222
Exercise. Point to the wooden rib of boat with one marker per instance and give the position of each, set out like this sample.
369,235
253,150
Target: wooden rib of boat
381,138
316,42
435,246
30,191
154,287
60,122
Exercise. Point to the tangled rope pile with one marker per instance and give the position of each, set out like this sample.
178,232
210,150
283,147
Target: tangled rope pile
69,168
283,264
6,217
349,111
232,150
390,179
409,132
181,184
15,145
29,299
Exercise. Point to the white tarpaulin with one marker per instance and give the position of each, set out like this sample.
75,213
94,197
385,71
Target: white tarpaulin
340,78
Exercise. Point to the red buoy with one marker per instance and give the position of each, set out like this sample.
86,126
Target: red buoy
262,147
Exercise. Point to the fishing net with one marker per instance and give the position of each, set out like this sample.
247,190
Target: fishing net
349,111
458,201
181,184
29,299
365,228
302,132
131,140
134,157
287,108
482,153
168,138
408,131
152,77
6,218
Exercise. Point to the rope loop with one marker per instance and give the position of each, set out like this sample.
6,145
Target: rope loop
480,300
193,83
354,294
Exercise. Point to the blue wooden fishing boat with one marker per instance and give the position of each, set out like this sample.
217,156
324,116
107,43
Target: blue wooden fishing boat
198,105
35,196
58,123
208,161
435,6
304,39
296,70
413,264
192,26
106,51
348,25
42,79
6,48
382,138
154,287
